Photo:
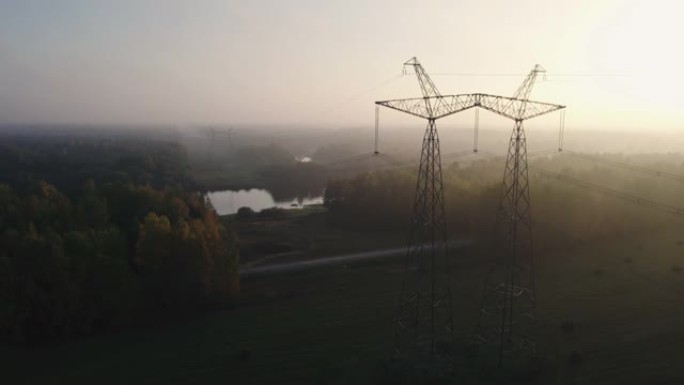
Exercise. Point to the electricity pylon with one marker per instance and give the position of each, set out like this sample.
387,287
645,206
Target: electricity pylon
424,318
507,313
212,139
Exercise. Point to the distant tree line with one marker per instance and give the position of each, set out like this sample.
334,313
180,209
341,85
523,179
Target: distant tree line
66,161
123,238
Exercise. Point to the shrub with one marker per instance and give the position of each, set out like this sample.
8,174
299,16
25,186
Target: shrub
273,212
245,213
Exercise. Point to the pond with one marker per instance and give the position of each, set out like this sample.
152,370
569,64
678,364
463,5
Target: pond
229,201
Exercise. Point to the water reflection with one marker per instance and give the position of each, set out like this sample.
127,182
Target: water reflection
228,201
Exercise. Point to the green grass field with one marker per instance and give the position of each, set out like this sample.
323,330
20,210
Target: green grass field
333,325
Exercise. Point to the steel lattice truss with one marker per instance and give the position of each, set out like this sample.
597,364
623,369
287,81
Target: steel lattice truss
424,316
506,319
507,314
437,107
424,319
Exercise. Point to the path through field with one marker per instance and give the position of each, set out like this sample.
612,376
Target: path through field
338,259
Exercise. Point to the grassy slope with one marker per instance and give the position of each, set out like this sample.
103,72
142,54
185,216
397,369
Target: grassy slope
333,325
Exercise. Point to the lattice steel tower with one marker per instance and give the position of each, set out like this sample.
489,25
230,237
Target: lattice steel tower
424,316
507,314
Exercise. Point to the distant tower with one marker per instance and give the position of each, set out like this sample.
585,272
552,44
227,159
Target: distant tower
228,133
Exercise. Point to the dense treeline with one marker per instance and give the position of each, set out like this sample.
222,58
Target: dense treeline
123,238
563,214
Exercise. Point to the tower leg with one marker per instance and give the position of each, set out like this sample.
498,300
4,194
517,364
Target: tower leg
506,319
424,318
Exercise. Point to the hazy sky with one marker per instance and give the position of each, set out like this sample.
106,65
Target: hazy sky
324,62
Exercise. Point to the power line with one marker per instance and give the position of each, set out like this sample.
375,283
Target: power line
625,196
501,158
393,163
560,75
458,154
396,163
641,201
360,94
350,159
629,167
632,198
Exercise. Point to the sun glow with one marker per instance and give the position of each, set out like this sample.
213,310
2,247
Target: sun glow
635,42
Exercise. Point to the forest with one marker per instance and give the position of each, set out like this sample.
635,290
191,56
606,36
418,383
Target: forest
99,233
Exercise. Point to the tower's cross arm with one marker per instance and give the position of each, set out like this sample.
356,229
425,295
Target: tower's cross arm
434,107
446,105
516,109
